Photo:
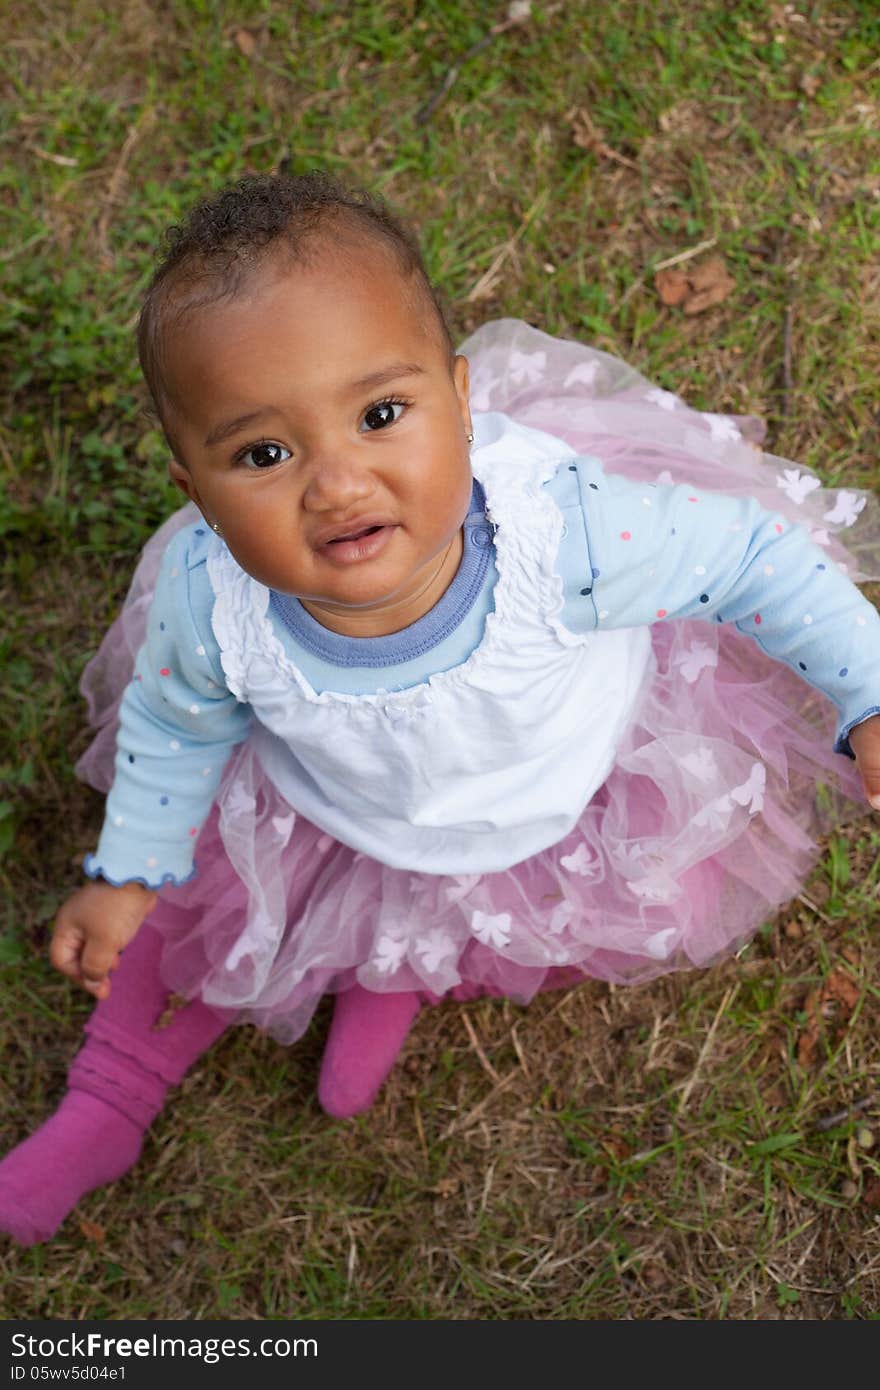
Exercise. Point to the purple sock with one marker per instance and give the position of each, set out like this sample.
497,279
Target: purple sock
83,1145
366,1035
117,1085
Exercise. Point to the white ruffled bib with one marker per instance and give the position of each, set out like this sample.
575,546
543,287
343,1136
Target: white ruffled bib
482,765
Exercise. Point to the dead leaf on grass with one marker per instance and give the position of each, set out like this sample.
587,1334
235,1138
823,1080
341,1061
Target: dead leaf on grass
92,1231
175,1003
710,284
615,1144
446,1187
672,286
245,42
695,288
832,1005
842,988
587,136
809,1038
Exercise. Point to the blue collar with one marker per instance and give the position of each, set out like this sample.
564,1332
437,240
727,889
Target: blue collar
410,642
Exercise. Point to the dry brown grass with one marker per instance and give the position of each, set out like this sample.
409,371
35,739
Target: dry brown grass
595,1155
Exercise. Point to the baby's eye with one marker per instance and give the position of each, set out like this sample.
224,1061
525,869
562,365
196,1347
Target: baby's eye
383,413
264,455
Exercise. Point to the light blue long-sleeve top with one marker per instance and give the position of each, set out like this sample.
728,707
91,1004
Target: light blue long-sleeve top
631,554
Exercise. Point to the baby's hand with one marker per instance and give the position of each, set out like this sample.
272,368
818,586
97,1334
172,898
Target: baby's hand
91,929
864,740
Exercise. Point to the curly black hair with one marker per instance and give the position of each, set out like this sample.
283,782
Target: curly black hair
211,255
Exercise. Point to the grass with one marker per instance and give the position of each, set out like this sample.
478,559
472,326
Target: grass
653,1152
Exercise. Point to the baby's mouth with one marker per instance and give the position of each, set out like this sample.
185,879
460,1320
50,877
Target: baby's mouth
355,535
357,542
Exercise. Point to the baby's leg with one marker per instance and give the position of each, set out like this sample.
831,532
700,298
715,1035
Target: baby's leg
117,1085
368,1031
366,1035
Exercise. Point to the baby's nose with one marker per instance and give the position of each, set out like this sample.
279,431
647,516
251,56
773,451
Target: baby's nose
337,481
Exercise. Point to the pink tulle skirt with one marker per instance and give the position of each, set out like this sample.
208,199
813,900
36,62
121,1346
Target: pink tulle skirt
275,918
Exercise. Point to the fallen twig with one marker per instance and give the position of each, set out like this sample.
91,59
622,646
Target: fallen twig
587,136
839,1116
814,907
451,76
686,255
65,160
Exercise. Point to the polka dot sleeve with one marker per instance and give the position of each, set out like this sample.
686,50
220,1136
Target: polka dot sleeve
651,554
178,726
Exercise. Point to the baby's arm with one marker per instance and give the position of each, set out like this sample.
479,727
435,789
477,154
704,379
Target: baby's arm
864,739
656,553
178,726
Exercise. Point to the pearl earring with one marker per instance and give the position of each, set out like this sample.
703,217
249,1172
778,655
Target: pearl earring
470,439
215,527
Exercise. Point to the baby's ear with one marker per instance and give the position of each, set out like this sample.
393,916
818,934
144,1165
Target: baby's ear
461,378
461,374
182,478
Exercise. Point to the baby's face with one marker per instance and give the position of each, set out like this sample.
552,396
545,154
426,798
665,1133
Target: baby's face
319,424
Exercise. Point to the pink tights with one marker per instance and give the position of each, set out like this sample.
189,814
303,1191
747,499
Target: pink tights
118,1082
